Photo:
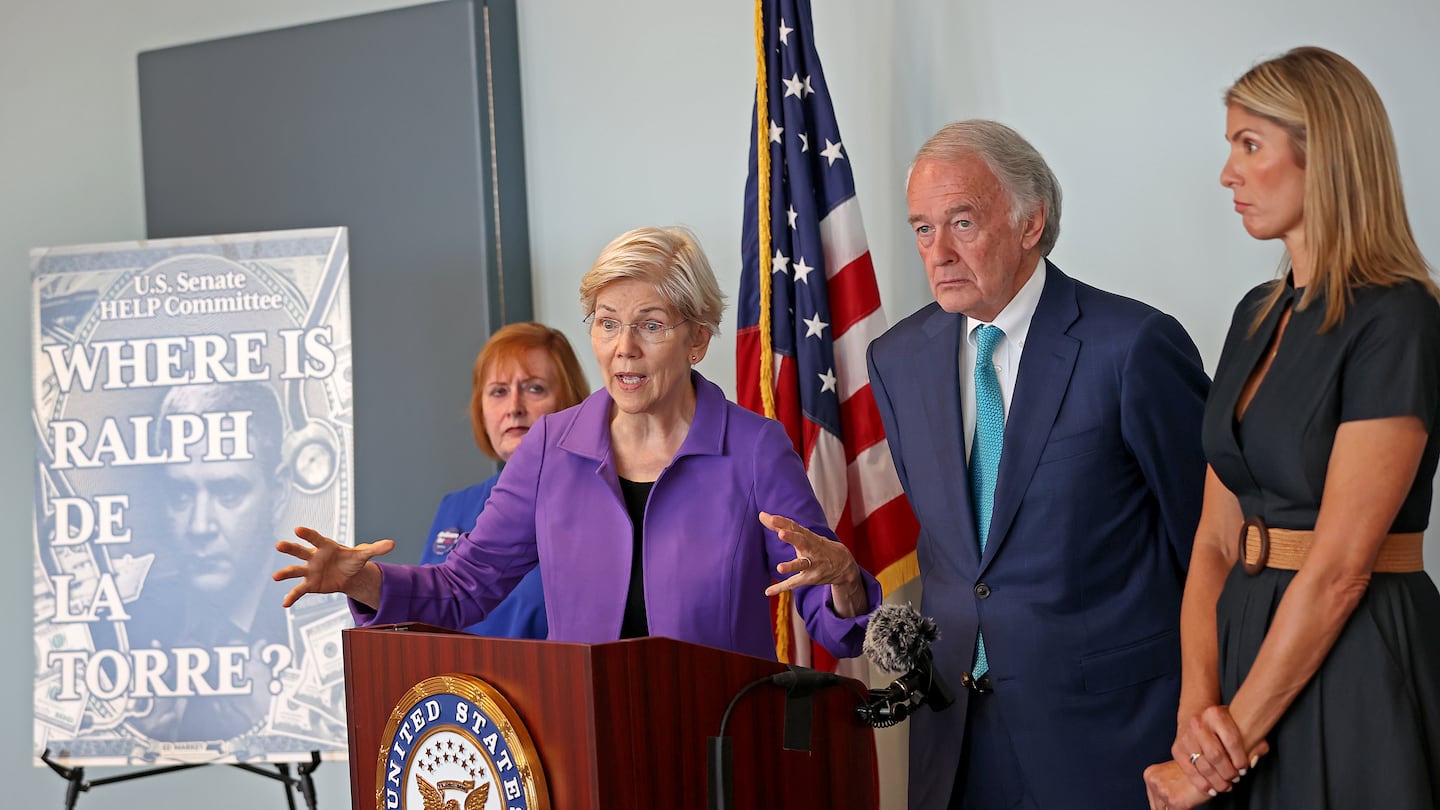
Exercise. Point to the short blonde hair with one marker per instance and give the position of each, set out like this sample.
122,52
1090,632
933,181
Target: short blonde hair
669,259
1356,229
510,344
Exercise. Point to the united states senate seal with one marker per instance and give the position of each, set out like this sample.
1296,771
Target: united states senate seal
454,743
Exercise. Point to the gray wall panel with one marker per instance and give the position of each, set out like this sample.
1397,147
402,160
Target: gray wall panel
382,123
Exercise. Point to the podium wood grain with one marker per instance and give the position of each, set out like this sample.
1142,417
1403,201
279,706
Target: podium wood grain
623,724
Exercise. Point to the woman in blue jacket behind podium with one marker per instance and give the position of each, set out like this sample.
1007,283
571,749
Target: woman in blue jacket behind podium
524,371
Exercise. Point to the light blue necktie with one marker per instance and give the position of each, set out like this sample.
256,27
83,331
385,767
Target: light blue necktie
985,448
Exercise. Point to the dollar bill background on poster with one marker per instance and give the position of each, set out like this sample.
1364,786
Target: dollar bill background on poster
192,403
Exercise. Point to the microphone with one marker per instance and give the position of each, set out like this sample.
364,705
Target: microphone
898,640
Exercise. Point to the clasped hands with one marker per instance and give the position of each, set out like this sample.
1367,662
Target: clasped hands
1210,758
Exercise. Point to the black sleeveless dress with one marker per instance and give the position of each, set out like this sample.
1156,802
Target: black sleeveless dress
1365,732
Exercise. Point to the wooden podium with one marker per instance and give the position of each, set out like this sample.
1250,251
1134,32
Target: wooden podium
622,724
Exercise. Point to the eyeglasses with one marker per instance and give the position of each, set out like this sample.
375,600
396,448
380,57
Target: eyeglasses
608,329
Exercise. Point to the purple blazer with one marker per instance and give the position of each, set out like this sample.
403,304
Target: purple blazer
707,558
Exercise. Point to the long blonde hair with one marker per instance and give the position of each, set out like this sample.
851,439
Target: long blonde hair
1356,229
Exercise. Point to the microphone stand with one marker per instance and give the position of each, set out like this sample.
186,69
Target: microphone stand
800,685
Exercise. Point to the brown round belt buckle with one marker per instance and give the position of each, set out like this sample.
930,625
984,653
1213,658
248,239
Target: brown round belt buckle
1259,565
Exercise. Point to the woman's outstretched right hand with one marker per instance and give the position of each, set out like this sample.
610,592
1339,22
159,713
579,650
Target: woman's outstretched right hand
328,567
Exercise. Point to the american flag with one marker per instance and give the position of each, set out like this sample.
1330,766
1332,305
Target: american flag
824,307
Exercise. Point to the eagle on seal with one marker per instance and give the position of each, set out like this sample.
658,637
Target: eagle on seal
435,799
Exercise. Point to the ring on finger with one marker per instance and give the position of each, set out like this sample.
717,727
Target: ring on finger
1194,757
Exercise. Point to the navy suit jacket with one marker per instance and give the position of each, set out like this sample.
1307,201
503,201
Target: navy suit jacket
1096,503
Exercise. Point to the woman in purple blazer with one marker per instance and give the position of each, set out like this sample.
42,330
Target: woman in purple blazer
654,507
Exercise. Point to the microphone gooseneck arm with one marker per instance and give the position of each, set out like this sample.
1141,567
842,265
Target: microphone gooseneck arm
799,683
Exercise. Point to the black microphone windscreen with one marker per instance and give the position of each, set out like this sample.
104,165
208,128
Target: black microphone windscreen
897,636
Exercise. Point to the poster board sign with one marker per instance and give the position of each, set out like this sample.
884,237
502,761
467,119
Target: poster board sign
192,404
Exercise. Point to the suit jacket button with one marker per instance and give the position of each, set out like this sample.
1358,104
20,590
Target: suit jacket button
982,591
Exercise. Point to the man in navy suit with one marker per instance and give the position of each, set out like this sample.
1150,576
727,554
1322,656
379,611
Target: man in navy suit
1077,449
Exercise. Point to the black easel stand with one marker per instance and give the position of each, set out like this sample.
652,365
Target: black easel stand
79,784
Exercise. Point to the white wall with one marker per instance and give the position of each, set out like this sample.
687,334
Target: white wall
637,112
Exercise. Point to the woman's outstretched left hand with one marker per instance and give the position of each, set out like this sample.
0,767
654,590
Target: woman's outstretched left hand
818,561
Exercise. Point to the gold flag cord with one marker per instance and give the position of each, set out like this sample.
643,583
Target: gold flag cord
783,640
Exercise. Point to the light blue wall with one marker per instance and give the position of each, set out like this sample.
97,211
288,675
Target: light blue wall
638,112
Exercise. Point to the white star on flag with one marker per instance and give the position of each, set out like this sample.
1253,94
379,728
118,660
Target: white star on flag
785,32
780,263
832,152
813,327
791,213
827,381
793,86
808,89
802,270
804,142
775,130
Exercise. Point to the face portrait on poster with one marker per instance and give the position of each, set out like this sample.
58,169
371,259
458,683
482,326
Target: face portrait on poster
192,403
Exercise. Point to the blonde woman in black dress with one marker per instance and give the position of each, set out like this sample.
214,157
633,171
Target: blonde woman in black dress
1312,664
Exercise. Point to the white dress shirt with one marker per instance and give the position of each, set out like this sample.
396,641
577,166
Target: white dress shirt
1014,321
